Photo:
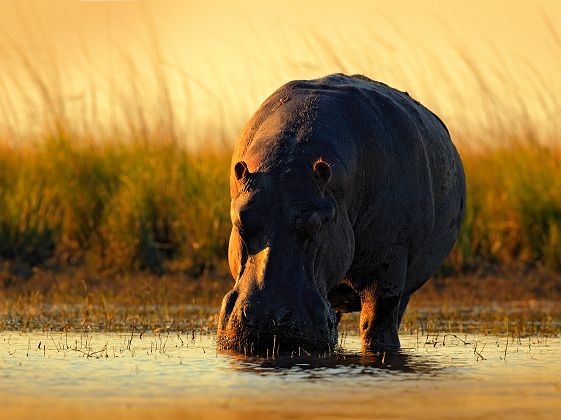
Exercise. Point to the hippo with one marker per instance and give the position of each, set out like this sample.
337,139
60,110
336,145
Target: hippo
346,195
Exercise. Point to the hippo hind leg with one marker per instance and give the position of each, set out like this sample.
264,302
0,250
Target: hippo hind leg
382,306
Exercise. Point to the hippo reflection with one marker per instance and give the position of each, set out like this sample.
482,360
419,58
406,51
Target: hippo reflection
347,195
338,365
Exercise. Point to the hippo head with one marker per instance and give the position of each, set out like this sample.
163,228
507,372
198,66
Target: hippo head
292,240
288,247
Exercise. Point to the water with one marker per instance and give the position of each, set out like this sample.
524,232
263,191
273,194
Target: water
435,375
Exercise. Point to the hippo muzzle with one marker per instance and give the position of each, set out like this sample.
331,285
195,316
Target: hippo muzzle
288,315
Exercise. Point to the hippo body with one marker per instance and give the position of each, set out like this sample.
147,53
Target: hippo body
347,195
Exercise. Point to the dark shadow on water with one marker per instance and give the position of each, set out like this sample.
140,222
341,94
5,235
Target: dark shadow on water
402,363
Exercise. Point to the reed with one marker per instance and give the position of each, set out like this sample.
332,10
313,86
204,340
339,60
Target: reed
147,191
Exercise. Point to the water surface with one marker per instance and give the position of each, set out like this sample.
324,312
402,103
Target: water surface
433,375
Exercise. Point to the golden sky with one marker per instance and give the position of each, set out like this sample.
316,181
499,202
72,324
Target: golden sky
227,56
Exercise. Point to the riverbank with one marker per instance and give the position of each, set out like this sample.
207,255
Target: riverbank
179,302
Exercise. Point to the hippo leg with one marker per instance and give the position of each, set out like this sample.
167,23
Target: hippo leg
380,314
402,306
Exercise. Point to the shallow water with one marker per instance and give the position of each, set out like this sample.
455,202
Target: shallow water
442,374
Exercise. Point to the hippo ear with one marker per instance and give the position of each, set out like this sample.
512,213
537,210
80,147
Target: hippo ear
241,170
322,170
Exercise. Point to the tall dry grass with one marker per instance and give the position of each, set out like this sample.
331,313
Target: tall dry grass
147,192
115,206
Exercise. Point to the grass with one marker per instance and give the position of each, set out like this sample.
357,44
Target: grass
122,226
113,207
144,193
76,299
513,213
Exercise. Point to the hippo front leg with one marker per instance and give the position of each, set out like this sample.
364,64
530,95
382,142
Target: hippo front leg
379,317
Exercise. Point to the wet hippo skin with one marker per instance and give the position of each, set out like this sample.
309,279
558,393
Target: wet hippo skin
347,195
